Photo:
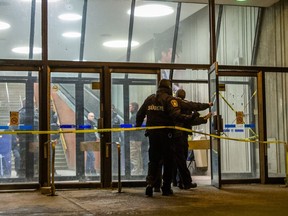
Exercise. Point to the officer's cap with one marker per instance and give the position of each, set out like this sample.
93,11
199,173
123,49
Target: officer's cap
165,83
181,93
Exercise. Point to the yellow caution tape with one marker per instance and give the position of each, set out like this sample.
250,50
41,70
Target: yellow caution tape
136,129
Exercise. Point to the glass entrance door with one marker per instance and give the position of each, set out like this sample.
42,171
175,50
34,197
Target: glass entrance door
75,105
234,128
238,107
215,127
128,92
19,158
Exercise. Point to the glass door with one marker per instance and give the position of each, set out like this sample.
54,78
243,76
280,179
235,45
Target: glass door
215,127
238,105
234,126
128,92
75,105
19,156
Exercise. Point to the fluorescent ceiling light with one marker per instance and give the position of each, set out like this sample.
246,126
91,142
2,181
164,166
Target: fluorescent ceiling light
25,50
71,34
4,25
70,17
152,10
119,43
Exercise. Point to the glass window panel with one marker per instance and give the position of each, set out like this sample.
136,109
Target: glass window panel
60,47
105,20
156,35
57,74
24,29
272,42
19,153
134,153
189,74
239,160
276,109
78,154
141,76
119,75
91,75
237,34
193,45
18,73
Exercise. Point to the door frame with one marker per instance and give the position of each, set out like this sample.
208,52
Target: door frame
125,83
79,102
261,124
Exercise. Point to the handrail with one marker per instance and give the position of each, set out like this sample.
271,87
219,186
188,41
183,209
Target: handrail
63,142
8,97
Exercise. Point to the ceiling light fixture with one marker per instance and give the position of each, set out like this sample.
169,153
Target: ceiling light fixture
152,10
71,34
119,43
4,25
25,50
70,17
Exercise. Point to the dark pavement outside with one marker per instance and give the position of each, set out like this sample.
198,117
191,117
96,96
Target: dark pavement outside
248,199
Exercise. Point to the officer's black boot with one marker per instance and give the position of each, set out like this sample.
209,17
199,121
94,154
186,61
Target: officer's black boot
149,191
166,191
191,185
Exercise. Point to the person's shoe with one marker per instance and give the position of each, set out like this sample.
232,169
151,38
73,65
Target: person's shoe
157,189
149,191
191,185
167,191
180,186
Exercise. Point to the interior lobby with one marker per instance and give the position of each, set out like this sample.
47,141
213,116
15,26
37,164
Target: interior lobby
63,60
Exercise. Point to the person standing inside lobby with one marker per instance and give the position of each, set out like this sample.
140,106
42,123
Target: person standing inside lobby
90,156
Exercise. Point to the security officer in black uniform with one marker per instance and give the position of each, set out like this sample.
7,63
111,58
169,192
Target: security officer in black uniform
161,109
181,141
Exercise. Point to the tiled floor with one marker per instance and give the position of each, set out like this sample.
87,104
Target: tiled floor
252,199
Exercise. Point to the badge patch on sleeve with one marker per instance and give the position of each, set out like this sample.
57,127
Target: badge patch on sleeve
174,103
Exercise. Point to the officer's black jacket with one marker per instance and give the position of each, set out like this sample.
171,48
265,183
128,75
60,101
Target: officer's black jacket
187,107
190,106
161,109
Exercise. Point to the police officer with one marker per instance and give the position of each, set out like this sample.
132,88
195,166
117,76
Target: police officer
181,141
161,109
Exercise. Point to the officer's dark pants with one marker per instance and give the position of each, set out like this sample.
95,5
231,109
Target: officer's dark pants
160,151
181,151
145,154
185,145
